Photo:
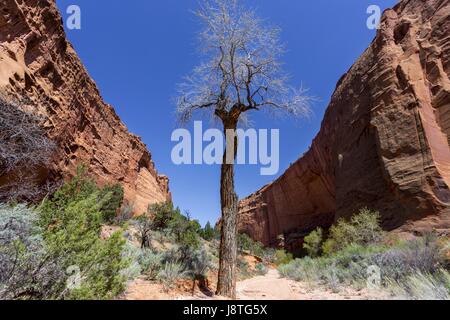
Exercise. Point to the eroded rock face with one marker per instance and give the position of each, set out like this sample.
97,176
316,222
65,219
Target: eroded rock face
37,62
384,141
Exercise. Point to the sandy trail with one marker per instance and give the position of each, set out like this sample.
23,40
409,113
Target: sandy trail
267,287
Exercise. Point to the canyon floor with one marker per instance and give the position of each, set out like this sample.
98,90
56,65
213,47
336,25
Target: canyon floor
268,287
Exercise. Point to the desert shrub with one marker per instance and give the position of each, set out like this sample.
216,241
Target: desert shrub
421,255
261,269
190,238
247,244
26,269
132,254
313,242
162,214
422,286
150,263
269,255
24,147
348,266
406,262
110,208
363,228
243,268
170,273
257,249
125,214
71,221
282,257
198,264
244,242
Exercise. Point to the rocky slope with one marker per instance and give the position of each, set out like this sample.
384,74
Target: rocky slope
36,61
384,141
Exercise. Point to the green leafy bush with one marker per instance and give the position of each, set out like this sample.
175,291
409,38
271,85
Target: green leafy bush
245,243
363,228
313,242
283,257
71,222
162,214
404,267
110,208
208,232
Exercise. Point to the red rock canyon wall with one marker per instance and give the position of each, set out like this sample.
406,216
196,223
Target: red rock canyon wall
384,140
37,61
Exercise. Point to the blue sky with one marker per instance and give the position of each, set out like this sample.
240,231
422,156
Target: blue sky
137,51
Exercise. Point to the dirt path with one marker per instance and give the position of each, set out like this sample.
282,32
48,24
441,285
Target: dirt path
267,287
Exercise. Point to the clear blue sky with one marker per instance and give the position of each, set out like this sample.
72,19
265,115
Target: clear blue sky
137,51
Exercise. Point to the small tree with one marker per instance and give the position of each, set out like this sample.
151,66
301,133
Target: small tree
207,232
241,72
144,227
313,242
162,214
363,229
110,209
71,221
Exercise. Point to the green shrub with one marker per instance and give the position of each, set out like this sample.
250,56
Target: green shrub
125,214
363,228
71,222
245,243
198,264
420,286
406,258
405,263
208,232
26,270
170,273
132,254
269,255
243,268
283,257
110,208
261,269
151,263
312,242
162,214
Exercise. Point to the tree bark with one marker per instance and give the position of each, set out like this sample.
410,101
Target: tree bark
226,285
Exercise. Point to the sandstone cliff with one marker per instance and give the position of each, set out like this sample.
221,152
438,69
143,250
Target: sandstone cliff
37,62
384,141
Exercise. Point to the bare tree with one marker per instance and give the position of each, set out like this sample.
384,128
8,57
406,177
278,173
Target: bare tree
240,72
24,148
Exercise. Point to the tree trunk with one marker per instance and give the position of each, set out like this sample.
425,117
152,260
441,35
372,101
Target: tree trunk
226,285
